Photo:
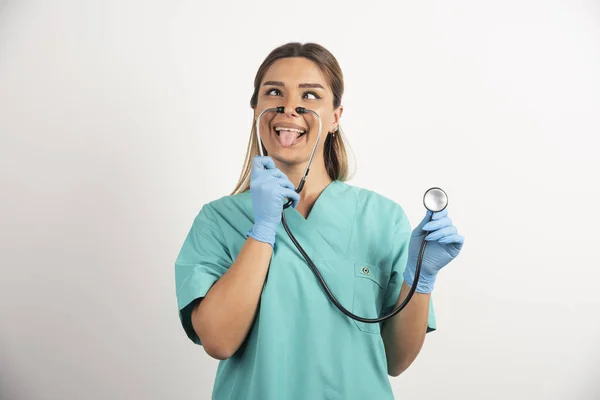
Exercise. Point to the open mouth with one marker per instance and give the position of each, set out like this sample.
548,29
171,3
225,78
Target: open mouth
288,136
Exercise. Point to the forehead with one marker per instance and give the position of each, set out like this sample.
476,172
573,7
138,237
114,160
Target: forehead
295,70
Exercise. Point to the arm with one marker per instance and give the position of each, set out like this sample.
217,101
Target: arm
404,334
224,316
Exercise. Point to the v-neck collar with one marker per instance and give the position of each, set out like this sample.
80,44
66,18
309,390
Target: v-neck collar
315,210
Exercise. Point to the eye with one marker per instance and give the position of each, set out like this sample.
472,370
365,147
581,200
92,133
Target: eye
312,93
278,93
271,90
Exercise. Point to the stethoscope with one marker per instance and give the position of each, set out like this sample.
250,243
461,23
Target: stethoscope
435,200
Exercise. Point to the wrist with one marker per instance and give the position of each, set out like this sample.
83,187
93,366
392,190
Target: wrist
263,232
426,281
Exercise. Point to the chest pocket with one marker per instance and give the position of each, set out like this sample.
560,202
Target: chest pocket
369,292
359,287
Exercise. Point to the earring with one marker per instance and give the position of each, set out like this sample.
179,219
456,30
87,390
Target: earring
334,131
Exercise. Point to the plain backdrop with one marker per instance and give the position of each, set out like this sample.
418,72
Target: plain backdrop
120,119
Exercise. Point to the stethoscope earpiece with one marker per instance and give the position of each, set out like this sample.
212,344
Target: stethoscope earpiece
299,110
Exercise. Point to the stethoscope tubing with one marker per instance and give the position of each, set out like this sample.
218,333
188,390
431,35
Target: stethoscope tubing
310,263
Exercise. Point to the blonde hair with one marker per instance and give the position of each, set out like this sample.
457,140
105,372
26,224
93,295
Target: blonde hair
334,151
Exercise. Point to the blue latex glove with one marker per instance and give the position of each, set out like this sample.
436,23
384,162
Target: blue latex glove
270,190
443,245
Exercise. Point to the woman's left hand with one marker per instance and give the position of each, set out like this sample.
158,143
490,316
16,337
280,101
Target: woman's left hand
443,245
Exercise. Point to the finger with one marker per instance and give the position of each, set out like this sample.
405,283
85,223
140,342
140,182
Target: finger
456,238
263,162
449,230
437,224
292,195
284,182
277,173
440,215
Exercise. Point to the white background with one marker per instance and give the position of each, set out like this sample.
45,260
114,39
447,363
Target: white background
120,119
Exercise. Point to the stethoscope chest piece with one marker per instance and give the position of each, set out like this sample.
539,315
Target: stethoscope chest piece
435,199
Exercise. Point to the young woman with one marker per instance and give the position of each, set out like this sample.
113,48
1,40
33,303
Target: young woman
247,295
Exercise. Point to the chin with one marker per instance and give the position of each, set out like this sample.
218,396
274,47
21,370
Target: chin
290,157
297,154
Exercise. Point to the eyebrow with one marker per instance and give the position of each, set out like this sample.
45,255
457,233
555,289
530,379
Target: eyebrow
302,85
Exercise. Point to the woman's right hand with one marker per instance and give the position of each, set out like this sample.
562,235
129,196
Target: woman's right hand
270,190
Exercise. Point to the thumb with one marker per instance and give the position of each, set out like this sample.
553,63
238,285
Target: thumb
260,163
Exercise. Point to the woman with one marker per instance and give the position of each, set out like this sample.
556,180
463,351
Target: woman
247,295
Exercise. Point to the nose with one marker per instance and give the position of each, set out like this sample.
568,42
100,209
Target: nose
290,108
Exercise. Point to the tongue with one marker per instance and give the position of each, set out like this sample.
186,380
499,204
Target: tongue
286,138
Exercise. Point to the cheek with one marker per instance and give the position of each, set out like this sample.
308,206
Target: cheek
262,104
326,121
315,135
266,118
268,101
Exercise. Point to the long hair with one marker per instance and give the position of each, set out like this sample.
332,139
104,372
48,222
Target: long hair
334,151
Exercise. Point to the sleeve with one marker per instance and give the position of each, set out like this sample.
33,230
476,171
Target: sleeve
202,260
400,245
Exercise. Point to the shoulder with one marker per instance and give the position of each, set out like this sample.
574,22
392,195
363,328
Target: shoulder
239,200
376,205
227,207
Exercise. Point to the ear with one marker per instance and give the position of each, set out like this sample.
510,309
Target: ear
337,114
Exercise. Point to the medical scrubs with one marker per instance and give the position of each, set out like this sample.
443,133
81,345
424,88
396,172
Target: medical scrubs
300,345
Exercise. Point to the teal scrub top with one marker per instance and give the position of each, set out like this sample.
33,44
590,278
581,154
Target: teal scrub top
301,346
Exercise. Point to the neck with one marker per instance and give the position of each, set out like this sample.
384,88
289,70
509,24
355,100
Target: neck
316,181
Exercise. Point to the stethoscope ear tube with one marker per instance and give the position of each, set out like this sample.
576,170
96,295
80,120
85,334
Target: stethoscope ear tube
299,110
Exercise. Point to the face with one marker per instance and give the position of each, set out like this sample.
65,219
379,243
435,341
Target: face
290,137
